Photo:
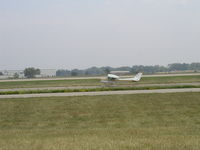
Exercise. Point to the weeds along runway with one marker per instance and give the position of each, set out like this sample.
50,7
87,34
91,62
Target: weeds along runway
101,93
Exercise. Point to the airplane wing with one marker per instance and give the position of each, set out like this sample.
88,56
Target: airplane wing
126,79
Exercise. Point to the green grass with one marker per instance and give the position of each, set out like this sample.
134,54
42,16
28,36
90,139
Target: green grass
48,83
89,82
171,79
117,122
166,79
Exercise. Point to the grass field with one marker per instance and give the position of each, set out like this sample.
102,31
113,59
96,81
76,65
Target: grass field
49,83
171,79
118,122
89,82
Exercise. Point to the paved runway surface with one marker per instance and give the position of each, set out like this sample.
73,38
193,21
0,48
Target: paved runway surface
101,93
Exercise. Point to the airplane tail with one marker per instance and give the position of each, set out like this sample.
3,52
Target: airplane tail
137,77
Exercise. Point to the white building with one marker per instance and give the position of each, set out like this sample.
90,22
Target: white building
47,73
43,73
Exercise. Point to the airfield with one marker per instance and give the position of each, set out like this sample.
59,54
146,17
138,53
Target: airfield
160,112
81,86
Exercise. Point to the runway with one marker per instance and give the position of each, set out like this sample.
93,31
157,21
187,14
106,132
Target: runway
97,77
101,93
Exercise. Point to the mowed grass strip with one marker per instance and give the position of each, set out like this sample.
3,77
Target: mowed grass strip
164,80
96,89
117,122
90,82
170,79
48,83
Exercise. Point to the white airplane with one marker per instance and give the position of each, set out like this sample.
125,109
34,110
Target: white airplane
112,77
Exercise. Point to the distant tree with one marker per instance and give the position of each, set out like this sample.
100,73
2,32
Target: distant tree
107,70
67,72
60,73
16,75
63,73
178,66
195,66
148,69
31,72
1,73
124,68
94,71
136,69
133,70
75,72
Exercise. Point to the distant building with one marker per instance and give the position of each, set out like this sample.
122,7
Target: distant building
47,73
120,72
10,74
43,73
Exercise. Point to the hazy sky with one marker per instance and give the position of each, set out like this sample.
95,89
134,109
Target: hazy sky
84,33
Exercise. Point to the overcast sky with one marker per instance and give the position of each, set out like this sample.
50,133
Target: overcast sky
83,33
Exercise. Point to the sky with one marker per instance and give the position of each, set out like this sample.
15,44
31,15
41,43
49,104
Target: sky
79,34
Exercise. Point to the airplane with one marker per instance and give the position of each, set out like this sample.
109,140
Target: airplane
111,78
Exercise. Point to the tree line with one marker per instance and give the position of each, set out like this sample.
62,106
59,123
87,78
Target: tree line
31,72
133,70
